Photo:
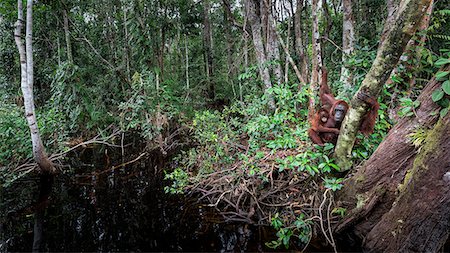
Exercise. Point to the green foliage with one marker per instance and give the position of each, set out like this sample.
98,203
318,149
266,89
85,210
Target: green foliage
15,133
418,137
221,137
216,136
333,183
84,106
179,180
299,228
442,94
438,30
149,106
274,130
408,107
312,162
340,211
360,62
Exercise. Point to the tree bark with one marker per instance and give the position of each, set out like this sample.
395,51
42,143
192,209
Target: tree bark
255,25
401,196
316,72
387,57
207,44
299,45
272,47
291,61
67,35
126,47
419,220
186,52
392,9
413,50
27,79
348,42
26,66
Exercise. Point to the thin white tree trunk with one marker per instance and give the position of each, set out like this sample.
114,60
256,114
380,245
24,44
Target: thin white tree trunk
26,65
348,43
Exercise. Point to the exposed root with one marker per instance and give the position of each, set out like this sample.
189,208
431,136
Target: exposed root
240,196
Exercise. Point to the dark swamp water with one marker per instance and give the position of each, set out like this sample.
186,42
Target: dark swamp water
93,208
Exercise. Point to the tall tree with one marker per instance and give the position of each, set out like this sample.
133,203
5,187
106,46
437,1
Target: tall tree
348,42
27,82
67,36
272,46
316,71
254,21
300,42
406,205
387,57
207,45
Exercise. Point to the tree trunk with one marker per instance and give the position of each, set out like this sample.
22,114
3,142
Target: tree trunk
231,70
299,46
419,220
392,9
255,25
186,52
328,19
127,48
207,45
401,196
388,54
272,47
289,60
161,50
67,35
26,66
413,50
348,43
316,72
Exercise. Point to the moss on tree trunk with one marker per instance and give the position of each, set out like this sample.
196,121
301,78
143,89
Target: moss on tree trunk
391,48
400,199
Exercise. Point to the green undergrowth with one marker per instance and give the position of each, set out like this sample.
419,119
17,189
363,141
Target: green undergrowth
247,156
15,134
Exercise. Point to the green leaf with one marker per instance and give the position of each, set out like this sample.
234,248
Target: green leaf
446,87
334,166
406,110
437,95
441,74
441,62
443,112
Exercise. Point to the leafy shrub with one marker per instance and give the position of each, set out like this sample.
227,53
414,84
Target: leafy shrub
238,147
15,133
83,104
148,107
